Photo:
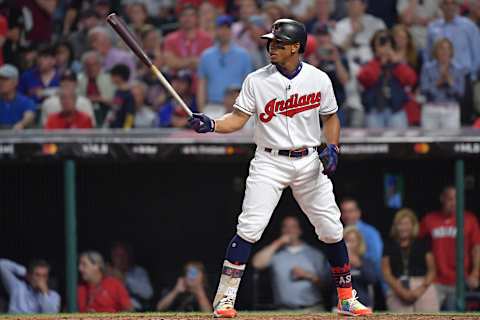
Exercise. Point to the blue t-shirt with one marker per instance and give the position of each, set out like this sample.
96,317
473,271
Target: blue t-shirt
30,81
222,70
12,111
123,105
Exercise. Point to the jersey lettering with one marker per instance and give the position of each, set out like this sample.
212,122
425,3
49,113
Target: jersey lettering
291,106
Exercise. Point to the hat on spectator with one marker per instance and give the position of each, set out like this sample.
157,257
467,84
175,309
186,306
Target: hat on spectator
68,75
8,71
224,20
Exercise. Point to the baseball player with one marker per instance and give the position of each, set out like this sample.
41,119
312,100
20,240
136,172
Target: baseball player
287,98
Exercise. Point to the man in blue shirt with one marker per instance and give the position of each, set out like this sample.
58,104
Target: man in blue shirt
463,33
28,288
221,66
351,215
43,80
16,110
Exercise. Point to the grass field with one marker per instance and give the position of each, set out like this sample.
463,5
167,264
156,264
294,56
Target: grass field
242,316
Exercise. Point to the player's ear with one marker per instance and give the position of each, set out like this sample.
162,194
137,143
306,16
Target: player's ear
295,47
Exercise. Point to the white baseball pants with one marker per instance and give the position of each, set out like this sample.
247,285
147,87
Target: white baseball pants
269,174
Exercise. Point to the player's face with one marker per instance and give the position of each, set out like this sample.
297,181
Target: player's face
292,228
350,212
280,52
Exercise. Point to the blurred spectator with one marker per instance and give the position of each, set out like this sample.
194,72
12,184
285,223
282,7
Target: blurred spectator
246,9
474,12
440,228
386,10
323,10
96,85
103,7
417,15
257,27
122,108
297,268
151,40
98,292
328,59
363,270
387,83
69,117
207,14
301,10
100,40
476,124
274,11
134,277
220,66
353,35
28,288
52,105
16,110
443,85
351,216
191,292
79,39
42,80
27,59
408,267
144,115
38,15
184,47
138,16
171,113
463,33
3,35
15,37
404,46
65,58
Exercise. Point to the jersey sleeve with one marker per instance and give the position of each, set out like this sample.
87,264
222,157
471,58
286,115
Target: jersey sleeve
245,101
328,104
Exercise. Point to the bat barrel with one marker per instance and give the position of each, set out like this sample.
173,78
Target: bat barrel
122,30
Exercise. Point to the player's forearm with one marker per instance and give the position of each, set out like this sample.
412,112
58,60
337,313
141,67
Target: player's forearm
231,122
331,128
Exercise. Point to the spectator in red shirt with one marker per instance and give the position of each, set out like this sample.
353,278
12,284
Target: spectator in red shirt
184,46
3,35
386,81
476,124
440,227
100,293
69,117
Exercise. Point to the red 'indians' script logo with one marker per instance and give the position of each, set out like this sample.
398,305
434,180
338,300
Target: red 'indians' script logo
291,106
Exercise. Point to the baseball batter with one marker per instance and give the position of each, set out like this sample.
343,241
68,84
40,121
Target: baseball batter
287,99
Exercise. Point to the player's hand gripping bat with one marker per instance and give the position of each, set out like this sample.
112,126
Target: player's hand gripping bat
122,30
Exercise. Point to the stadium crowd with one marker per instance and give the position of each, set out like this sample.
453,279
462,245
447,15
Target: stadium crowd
393,63
413,270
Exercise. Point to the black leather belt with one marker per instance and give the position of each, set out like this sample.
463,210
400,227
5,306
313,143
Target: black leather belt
298,153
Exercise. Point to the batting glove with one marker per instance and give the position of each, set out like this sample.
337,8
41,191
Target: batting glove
329,159
201,123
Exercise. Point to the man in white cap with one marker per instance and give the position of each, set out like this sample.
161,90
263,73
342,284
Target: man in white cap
16,110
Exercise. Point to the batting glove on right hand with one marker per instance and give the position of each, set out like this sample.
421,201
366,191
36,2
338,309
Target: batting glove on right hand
201,123
329,159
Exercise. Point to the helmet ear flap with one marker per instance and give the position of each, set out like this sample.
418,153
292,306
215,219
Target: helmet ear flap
268,45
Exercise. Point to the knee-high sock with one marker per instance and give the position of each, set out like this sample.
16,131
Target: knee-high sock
337,256
236,257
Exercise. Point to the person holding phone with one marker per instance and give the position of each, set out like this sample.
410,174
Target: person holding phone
190,293
408,267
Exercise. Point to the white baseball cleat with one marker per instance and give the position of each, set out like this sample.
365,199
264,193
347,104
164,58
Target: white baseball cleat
225,308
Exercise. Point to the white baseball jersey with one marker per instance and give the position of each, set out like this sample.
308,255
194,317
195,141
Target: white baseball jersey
286,110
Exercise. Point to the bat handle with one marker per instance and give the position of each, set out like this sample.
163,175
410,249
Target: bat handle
171,90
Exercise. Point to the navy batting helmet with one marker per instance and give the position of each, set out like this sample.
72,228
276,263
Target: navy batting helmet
288,31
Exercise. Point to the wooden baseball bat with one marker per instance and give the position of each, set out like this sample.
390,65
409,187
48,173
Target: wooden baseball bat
122,30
